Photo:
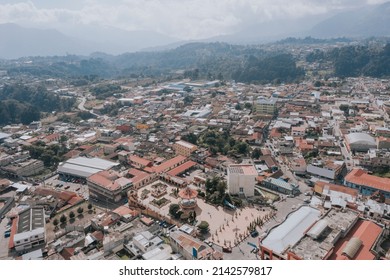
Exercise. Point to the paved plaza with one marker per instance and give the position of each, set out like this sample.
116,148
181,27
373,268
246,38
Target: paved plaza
227,227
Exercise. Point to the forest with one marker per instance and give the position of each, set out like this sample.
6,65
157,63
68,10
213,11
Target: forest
24,104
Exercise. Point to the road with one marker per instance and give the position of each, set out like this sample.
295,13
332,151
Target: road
82,108
346,154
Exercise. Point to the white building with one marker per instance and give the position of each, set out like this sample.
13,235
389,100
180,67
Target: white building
31,229
241,179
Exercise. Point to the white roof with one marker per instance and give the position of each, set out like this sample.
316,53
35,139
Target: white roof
318,228
97,163
291,230
4,135
360,137
85,167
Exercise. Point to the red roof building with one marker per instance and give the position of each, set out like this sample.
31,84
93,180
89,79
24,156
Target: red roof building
358,242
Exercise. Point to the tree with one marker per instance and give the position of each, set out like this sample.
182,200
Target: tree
71,215
80,210
89,206
256,153
63,219
203,227
248,105
55,223
174,209
238,106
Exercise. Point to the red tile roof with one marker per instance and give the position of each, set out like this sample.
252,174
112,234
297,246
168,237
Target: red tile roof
140,161
182,168
320,185
167,165
367,232
361,177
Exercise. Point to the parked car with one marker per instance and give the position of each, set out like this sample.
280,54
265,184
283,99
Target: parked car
226,250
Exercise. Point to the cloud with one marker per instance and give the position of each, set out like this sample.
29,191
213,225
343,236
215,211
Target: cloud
186,19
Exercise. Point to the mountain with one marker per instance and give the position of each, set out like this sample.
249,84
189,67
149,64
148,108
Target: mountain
117,41
17,41
364,22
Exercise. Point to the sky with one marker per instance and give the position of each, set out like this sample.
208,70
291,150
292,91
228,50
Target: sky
184,19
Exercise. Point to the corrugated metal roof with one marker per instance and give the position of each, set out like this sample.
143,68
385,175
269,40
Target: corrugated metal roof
352,247
317,229
291,230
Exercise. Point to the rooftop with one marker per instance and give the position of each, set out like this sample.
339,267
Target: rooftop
360,137
321,237
167,165
366,232
186,144
362,178
109,180
30,219
291,230
181,168
243,169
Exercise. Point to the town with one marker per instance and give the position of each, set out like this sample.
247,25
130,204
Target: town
204,169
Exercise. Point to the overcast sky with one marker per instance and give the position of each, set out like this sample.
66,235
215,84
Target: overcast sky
184,19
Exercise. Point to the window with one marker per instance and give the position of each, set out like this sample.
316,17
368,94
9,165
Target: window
241,190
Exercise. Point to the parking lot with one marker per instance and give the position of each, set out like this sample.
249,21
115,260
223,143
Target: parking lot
73,185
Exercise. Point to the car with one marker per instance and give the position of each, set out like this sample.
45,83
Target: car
77,189
67,187
307,193
7,234
226,250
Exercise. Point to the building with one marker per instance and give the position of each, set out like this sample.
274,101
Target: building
367,184
168,164
320,239
144,242
25,168
31,231
329,191
83,167
359,242
281,186
241,179
329,170
375,159
265,106
184,148
383,143
139,162
191,248
285,235
360,142
108,185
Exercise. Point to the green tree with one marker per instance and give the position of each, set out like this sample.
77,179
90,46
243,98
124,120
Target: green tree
71,215
174,209
80,210
203,227
55,223
63,219
256,153
89,206
248,105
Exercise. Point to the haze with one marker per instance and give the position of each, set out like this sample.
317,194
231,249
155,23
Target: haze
181,19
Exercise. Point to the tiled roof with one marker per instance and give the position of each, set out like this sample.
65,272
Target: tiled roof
362,178
367,232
